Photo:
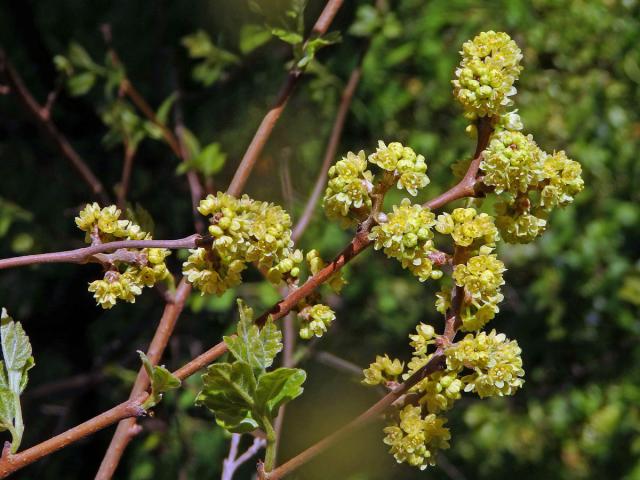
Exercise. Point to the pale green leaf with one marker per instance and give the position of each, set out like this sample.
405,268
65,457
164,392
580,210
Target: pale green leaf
256,347
288,36
253,36
277,388
162,115
7,408
16,348
25,378
210,160
162,380
81,83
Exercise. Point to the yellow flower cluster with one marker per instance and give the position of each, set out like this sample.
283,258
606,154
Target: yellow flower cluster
530,182
494,360
414,439
315,320
466,225
481,278
316,263
404,163
485,78
122,280
407,237
346,198
383,370
244,231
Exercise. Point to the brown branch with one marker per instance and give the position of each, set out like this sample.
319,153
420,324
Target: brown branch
85,254
126,428
357,245
10,463
271,118
330,152
42,118
436,363
127,168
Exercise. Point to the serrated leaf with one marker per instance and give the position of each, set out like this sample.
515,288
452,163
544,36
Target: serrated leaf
256,347
162,380
235,421
4,382
16,348
253,36
288,36
277,388
25,378
7,408
228,391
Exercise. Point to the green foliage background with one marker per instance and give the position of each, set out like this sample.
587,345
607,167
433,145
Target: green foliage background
572,298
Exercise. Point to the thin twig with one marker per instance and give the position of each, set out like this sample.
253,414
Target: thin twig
85,254
330,152
10,463
127,169
271,118
41,116
436,363
358,244
126,431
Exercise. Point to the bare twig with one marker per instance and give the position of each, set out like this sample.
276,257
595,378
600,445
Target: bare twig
436,363
330,152
9,463
126,431
41,116
127,168
356,246
86,254
271,118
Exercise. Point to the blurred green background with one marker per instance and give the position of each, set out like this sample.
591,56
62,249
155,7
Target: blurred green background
572,298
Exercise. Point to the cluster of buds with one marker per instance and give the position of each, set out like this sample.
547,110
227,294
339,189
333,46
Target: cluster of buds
244,231
126,272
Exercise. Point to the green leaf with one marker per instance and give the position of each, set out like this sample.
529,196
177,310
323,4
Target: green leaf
81,83
210,160
7,408
16,348
81,58
228,391
256,347
162,380
277,388
253,36
165,108
288,36
25,378
315,44
191,143
63,65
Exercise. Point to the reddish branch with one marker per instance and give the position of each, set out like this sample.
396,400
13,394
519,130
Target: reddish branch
127,428
465,188
86,254
131,408
330,152
271,118
127,169
42,118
